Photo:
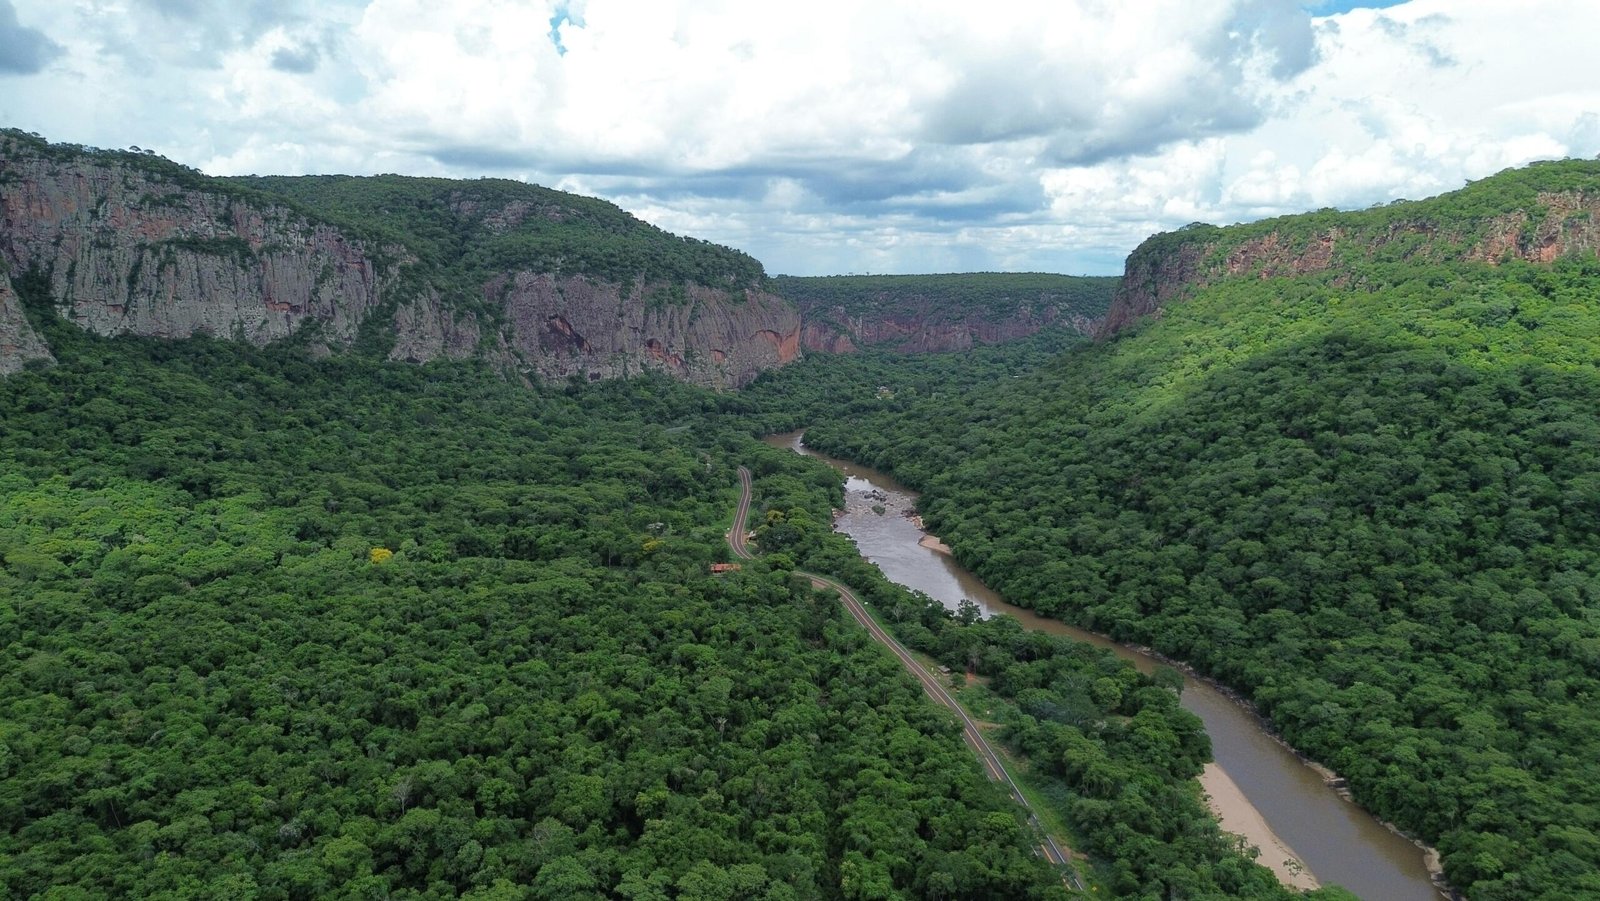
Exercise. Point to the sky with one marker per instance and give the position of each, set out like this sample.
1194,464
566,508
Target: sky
839,137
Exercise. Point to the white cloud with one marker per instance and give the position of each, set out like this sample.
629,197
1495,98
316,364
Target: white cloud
890,136
1401,103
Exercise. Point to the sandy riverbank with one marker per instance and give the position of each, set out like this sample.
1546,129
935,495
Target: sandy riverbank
932,543
1240,817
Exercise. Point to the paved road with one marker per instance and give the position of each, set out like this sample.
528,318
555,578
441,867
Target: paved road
1048,848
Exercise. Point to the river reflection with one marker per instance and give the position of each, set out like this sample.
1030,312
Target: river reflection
1336,840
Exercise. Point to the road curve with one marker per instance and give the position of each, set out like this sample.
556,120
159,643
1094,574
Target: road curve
740,514
1048,848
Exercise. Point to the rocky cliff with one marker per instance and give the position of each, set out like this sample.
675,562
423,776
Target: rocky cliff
133,244
929,313
1539,214
128,250
19,343
559,326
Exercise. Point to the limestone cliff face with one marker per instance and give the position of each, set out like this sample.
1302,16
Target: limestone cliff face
425,331
19,343
565,325
826,337
131,246
1152,278
130,252
1567,225
560,326
1168,267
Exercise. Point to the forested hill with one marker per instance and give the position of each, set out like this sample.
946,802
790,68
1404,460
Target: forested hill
1539,213
941,312
536,281
470,230
1363,493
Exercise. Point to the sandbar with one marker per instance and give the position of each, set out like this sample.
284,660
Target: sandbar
1240,817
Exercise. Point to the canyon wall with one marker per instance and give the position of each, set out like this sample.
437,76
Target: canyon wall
933,313
132,244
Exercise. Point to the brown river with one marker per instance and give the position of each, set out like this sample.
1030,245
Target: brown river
1265,792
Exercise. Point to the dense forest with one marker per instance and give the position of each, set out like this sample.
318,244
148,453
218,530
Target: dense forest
287,628
1365,497
282,627
821,386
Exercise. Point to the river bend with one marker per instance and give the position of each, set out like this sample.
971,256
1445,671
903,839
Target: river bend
1335,840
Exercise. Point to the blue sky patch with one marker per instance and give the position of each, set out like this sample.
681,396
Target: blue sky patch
562,16
1333,7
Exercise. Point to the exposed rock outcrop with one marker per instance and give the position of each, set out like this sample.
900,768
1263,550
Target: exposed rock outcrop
1567,225
137,245
127,251
425,331
559,326
19,343
826,337
567,325
1152,278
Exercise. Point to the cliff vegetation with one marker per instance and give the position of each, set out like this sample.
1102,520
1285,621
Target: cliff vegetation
1538,213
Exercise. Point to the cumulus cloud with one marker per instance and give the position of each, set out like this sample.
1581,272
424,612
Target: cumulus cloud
1452,97
23,50
195,33
1109,81
841,136
1404,102
298,60
925,116
708,85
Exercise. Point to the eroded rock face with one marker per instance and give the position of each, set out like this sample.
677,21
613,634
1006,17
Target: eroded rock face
825,337
19,343
1151,281
558,326
1570,226
1563,224
129,250
425,331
